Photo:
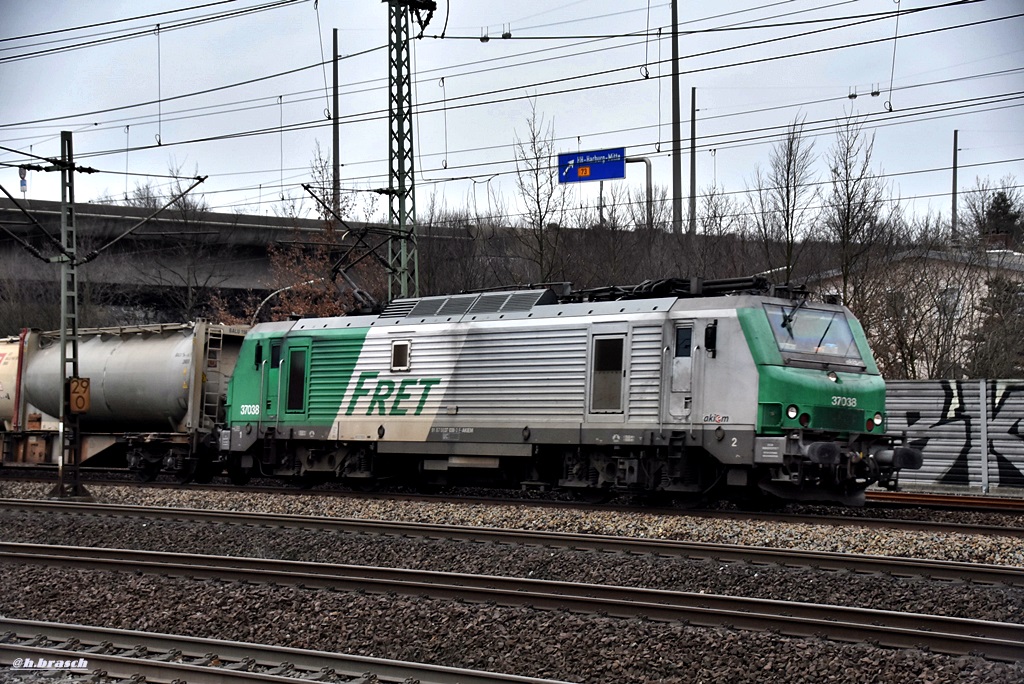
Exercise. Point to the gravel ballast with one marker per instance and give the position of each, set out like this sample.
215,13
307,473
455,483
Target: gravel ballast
515,640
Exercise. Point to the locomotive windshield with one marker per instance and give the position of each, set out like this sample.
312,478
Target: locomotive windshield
813,332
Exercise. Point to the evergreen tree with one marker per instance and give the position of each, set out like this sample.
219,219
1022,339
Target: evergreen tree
1002,217
999,340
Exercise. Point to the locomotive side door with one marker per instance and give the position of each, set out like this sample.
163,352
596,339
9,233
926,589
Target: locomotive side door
680,399
606,393
271,382
293,393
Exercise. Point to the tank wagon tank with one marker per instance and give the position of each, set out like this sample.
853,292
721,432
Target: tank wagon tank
157,393
672,387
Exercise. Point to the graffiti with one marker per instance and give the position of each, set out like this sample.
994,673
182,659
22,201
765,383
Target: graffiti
957,433
1011,470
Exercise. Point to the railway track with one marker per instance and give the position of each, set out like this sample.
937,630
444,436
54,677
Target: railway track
942,500
841,517
955,636
949,571
162,657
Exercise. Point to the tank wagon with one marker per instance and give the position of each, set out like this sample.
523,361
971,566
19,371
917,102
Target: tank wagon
674,388
157,395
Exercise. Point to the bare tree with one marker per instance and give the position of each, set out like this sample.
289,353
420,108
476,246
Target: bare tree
544,200
661,208
180,255
657,254
30,289
783,201
721,248
308,273
448,237
859,218
27,299
605,250
921,323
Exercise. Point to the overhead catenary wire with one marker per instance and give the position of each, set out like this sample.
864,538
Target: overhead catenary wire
443,108
142,32
422,109
111,22
196,93
765,136
508,217
597,73
257,132
866,17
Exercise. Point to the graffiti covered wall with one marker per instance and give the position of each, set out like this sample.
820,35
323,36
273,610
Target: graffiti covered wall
966,442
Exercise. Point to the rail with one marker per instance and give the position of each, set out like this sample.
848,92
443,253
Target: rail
824,560
954,636
165,657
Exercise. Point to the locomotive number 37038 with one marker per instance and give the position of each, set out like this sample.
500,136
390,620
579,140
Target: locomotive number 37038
844,401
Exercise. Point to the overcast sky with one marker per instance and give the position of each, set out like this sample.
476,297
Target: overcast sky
597,71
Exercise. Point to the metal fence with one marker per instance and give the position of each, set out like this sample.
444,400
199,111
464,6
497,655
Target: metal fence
969,431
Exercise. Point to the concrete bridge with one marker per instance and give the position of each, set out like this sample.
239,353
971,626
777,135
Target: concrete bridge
229,250
167,259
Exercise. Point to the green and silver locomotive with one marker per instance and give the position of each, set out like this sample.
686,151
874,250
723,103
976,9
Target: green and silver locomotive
673,388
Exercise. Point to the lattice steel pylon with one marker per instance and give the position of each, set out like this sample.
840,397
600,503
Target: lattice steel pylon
68,433
402,257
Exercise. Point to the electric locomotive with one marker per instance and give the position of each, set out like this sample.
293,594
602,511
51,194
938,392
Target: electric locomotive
674,387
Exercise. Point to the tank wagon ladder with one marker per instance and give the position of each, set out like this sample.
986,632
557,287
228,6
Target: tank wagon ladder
213,378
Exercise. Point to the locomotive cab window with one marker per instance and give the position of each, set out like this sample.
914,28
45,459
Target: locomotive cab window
400,355
684,342
817,334
275,354
258,357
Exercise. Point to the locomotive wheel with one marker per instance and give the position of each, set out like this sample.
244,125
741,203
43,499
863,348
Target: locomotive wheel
594,495
239,476
755,500
360,484
205,472
187,474
309,480
148,471
688,501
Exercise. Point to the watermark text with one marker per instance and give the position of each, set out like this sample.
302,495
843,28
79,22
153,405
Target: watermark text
50,664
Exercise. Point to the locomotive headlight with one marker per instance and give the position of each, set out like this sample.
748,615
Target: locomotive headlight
878,419
792,411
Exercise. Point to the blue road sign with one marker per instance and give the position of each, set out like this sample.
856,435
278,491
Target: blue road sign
576,167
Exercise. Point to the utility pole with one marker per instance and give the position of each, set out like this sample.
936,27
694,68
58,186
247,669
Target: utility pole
677,159
956,134
402,256
693,161
336,161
